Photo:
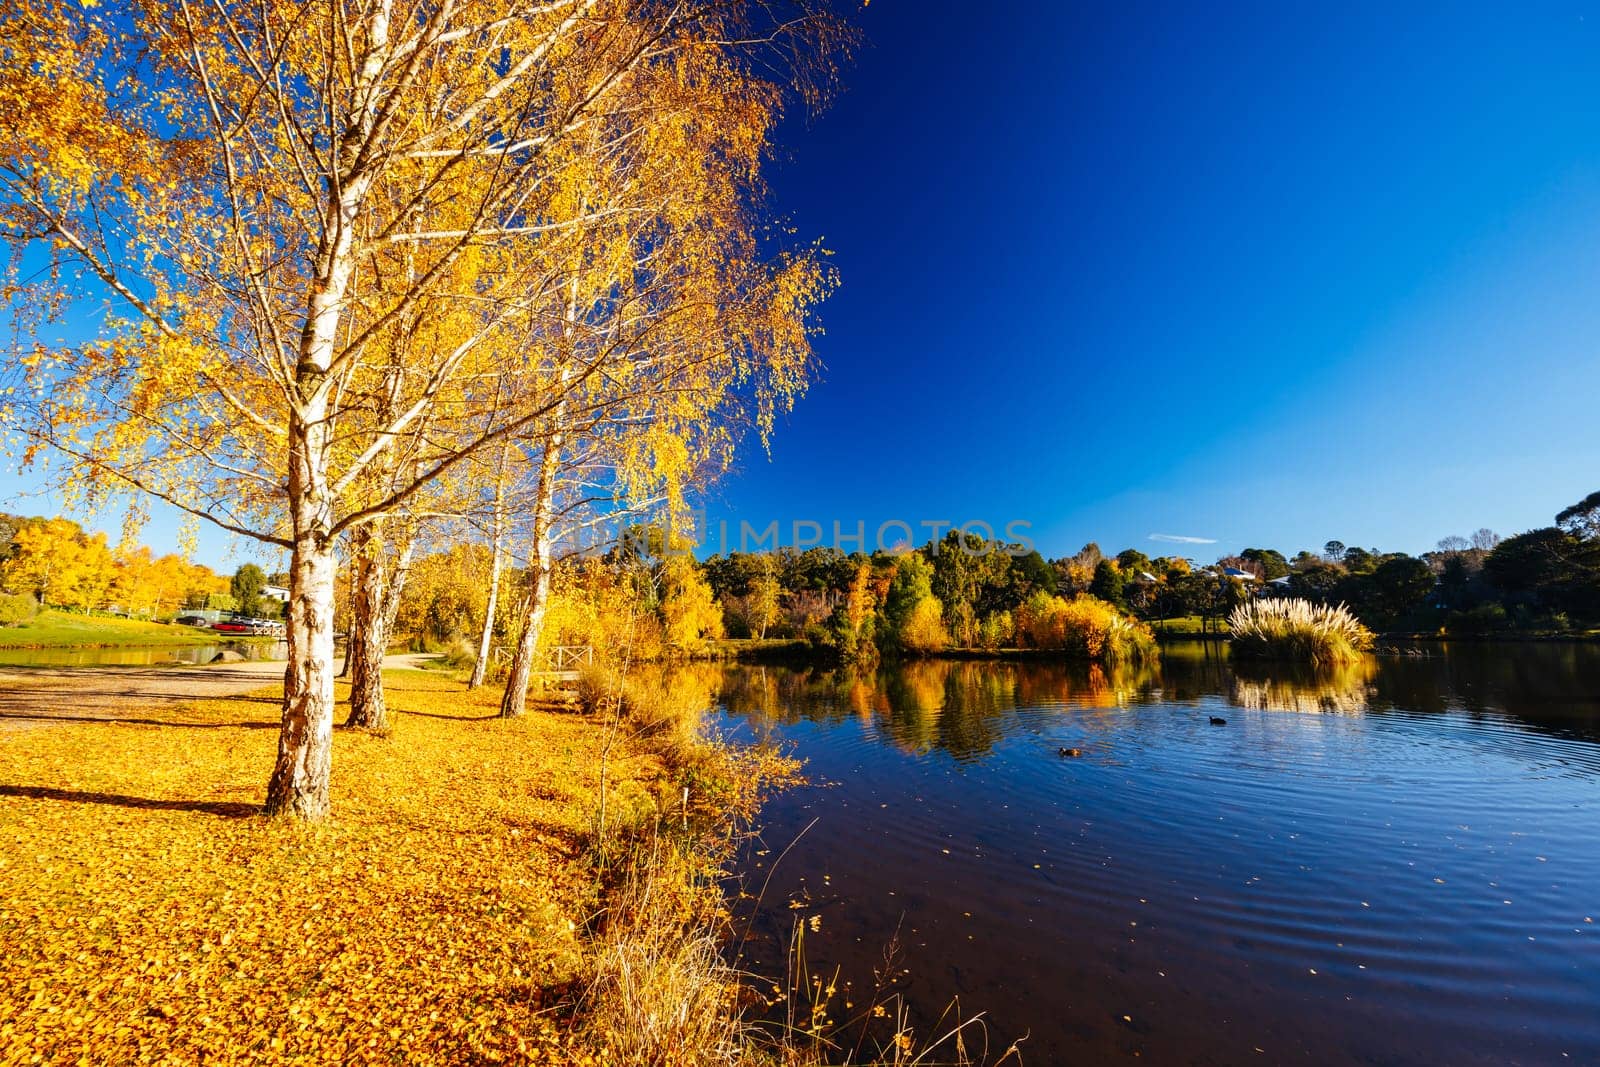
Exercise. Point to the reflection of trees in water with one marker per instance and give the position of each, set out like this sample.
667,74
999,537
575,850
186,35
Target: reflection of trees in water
1342,689
1554,686
966,706
1193,670
959,706
1085,685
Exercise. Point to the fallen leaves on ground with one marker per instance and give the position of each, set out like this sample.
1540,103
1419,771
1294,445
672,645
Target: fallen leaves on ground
148,914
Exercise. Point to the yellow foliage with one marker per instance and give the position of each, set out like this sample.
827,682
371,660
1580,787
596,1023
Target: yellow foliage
923,629
58,563
593,605
148,914
690,614
54,561
1084,627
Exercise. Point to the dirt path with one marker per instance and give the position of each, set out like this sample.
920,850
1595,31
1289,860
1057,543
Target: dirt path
34,696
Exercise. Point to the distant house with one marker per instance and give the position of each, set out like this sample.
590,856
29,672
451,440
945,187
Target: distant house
275,592
1235,572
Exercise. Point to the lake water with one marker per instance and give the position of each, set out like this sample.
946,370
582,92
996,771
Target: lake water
138,656
1398,863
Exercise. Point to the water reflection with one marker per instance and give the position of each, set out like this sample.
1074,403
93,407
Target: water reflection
136,656
1343,689
961,706
1357,867
957,706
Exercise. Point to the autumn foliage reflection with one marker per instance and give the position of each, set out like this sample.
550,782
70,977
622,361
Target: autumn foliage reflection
1343,689
963,707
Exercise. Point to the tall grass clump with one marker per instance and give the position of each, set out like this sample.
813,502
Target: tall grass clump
661,991
1299,631
1084,627
663,709
663,988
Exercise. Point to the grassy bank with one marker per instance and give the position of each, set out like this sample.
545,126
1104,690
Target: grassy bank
1189,626
1509,634
64,629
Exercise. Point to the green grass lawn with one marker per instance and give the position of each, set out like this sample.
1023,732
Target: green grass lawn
1187,624
63,629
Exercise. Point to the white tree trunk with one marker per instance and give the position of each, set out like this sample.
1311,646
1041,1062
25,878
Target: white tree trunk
480,668
369,637
299,784
515,700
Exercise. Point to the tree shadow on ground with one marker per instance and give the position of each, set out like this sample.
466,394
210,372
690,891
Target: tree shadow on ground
228,809
441,715
112,717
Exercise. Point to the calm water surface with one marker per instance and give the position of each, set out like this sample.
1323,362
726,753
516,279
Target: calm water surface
138,656
1399,863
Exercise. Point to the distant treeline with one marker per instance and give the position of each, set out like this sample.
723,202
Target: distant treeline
964,594
54,562
1545,579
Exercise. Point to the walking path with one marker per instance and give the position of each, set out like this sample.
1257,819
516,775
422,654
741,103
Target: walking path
38,695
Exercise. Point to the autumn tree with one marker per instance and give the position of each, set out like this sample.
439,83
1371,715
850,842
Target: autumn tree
696,323
766,592
913,616
689,613
57,563
854,621
322,229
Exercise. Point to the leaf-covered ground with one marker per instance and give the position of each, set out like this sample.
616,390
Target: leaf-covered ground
148,914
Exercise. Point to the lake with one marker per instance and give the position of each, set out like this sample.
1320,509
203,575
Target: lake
138,656
1398,862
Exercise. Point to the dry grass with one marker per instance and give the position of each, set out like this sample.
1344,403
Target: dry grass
1299,631
661,991
664,707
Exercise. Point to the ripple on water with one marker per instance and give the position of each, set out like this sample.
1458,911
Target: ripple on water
1366,882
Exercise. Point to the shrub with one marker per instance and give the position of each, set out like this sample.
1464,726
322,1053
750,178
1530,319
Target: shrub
459,655
1483,619
922,631
1298,630
15,608
1084,628
666,706
997,630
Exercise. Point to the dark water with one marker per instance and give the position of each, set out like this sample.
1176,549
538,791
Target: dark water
137,656
1399,863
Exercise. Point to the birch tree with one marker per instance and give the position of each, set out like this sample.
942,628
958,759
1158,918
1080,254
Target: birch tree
308,231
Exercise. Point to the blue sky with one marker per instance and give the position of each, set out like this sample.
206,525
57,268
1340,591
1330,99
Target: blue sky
1258,274
1263,275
